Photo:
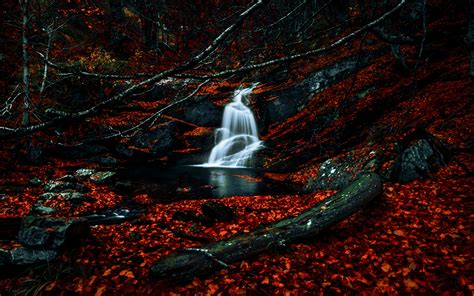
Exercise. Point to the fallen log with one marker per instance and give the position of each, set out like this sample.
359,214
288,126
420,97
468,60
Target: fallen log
188,263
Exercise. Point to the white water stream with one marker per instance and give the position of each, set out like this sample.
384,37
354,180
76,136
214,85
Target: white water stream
237,139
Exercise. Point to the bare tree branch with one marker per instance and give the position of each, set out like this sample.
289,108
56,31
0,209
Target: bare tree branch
7,131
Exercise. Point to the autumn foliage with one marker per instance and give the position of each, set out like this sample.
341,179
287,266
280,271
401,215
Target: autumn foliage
415,239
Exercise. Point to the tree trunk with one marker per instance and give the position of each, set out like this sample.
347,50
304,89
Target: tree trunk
26,63
470,36
186,264
46,57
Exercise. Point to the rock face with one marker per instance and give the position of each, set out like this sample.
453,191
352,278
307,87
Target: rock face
51,234
204,114
339,172
290,100
159,141
417,161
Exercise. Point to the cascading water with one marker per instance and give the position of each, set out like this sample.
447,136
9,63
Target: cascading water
237,139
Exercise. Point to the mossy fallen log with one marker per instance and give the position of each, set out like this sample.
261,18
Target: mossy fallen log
188,263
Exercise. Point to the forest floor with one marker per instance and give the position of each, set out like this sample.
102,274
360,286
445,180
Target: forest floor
414,239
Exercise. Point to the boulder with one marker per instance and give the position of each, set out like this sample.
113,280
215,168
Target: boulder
217,211
104,160
84,173
102,177
115,216
67,178
160,139
57,186
204,113
50,233
35,182
40,209
47,196
76,198
417,161
339,172
25,256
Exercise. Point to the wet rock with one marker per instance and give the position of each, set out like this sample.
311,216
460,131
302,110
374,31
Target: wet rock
40,209
202,138
204,113
81,188
217,211
160,141
35,182
102,177
112,217
339,172
47,196
164,144
52,234
76,198
25,256
417,161
104,160
84,173
57,186
67,178
185,216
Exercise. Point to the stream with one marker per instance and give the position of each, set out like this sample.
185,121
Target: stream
191,182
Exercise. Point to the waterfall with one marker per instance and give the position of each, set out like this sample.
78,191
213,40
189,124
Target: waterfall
237,139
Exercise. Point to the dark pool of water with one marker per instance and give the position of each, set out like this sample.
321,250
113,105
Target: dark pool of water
188,182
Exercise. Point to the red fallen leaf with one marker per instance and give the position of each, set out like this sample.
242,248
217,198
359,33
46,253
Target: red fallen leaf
399,233
386,267
410,284
100,290
278,284
265,281
213,288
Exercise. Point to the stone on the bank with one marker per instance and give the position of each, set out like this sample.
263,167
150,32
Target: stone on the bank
49,233
102,177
